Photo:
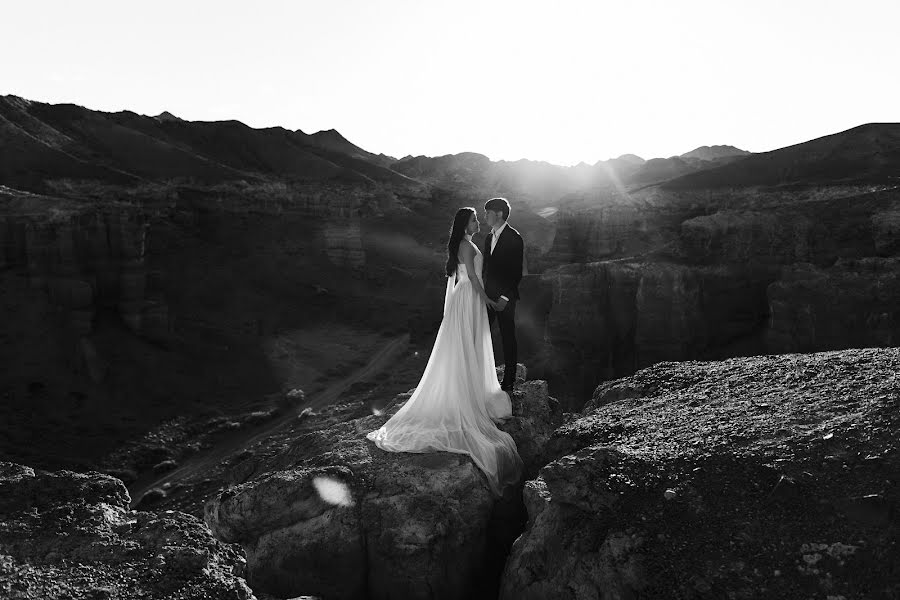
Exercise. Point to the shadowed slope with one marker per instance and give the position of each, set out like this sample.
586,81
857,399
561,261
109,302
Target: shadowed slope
868,153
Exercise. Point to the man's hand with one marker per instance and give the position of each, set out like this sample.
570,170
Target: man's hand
501,304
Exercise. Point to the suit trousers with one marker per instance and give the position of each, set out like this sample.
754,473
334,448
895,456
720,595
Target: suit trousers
506,318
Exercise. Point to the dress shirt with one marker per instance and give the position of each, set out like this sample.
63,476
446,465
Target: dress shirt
494,239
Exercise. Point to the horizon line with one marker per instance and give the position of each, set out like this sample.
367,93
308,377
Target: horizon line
410,155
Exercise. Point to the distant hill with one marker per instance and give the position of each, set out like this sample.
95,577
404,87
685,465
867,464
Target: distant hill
543,184
631,159
43,142
866,154
167,116
332,140
715,152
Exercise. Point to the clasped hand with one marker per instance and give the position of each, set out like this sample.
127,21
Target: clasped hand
497,305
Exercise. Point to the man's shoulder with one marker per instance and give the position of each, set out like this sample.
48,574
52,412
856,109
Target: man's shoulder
514,231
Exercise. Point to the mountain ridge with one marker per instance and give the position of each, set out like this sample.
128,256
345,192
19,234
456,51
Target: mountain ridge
869,152
45,143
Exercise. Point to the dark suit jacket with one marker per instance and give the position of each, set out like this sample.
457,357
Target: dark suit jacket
503,268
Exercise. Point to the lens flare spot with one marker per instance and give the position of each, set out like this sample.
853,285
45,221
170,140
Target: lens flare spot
333,491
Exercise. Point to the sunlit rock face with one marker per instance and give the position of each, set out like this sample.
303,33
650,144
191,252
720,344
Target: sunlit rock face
70,535
769,476
338,517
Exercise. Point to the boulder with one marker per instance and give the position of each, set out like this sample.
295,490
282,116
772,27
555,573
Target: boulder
335,516
535,415
767,476
70,535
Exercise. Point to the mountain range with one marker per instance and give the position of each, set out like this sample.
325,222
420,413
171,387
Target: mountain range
42,145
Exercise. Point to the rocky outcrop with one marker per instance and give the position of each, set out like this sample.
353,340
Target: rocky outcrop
769,476
70,535
336,516
533,410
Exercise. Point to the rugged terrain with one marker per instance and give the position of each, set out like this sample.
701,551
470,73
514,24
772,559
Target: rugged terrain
67,535
759,477
164,284
769,476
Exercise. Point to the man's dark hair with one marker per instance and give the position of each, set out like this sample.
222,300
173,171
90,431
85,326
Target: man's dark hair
498,204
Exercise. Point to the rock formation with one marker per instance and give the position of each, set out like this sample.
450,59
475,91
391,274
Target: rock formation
770,476
667,275
335,516
89,261
70,535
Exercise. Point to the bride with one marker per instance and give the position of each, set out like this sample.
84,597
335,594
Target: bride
458,398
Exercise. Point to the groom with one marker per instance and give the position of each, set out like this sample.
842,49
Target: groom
503,255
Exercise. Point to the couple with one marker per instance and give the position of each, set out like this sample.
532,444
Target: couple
458,399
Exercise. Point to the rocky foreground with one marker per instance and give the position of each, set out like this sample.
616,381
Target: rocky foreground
759,477
66,535
335,516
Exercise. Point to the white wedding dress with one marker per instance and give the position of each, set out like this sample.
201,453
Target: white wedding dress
458,397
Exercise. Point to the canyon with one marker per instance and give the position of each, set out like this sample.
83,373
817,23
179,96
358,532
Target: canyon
167,285
629,261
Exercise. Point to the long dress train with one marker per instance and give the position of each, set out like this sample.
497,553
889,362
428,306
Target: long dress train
458,397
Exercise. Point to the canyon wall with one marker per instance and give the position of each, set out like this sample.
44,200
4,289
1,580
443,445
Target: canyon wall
118,316
710,276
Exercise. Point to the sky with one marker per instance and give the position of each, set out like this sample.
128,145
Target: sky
560,81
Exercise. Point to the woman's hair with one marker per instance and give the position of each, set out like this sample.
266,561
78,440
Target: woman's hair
457,232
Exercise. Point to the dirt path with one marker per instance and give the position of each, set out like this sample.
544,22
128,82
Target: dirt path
245,438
